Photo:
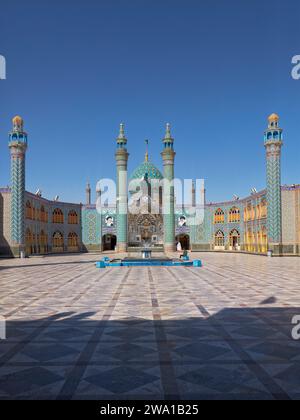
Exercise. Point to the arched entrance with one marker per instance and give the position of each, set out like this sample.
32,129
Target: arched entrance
184,240
234,240
109,242
73,242
58,242
219,240
29,242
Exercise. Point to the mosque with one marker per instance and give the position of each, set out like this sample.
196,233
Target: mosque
265,221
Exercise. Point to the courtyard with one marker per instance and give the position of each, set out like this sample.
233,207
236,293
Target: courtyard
218,332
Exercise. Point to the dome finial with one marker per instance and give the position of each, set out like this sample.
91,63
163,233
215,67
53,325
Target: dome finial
147,151
168,131
18,123
273,120
168,135
121,139
168,140
122,131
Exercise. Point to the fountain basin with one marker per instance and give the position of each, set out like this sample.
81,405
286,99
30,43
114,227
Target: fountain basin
148,262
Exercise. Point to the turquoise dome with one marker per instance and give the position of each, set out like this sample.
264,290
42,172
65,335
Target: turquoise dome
146,169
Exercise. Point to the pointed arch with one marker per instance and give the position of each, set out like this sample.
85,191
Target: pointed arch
28,210
234,215
219,216
72,217
29,241
57,242
57,216
73,242
234,240
43,242
43,215
219,240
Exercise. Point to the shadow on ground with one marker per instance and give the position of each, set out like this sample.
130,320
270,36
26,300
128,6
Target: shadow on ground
235,354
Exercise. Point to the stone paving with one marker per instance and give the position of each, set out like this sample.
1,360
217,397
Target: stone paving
218,332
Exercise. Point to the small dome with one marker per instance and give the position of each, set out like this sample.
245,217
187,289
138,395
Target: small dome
17,120
146,169
273,117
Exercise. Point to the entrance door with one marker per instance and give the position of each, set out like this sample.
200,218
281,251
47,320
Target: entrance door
234,239
184,241
109,242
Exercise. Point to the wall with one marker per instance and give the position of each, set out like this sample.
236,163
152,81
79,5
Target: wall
5,222
291,219
49,228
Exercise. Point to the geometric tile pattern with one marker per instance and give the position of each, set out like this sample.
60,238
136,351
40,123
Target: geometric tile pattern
122,199
18,195
219,332
274,224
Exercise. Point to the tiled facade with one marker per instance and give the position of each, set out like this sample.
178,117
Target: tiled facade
40,230
48,233
266,220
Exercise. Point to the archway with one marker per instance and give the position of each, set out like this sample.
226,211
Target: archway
234,240
109,242
184,240
43,242
57,242
219,240
29,242
73,242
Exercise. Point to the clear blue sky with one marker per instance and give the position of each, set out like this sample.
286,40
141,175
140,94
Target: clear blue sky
214,69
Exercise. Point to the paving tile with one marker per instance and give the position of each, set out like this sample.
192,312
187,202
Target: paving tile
219,332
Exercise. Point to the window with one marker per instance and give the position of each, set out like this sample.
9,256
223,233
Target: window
43,238
263,209
234,215
72,240
29,214
72,218
58,216
29,237
58,240
219,216
219,239
43,215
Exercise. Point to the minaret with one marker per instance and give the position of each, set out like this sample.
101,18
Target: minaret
18,146
193,194
168,156
88,193
273,144
122,197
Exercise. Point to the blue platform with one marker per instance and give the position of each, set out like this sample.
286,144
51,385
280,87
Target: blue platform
153,262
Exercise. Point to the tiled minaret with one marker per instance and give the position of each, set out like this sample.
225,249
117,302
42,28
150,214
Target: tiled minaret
18,147
168,156
122,196
88,194
273,144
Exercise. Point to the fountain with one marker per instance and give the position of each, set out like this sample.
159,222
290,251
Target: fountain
147,250
147,260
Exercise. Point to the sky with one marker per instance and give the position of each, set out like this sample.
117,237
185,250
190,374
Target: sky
213,69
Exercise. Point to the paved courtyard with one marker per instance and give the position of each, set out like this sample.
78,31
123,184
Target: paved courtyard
221,331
